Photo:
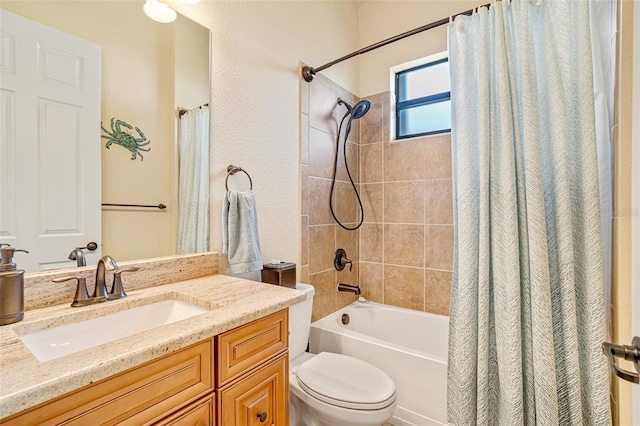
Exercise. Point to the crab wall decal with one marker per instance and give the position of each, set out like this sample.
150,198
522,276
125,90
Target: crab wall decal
125,138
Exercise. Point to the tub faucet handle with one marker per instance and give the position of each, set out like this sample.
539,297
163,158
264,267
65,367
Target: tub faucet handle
340,261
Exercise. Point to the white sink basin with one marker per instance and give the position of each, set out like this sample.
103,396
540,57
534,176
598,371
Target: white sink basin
70,338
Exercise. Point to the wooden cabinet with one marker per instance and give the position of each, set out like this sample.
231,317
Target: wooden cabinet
246,366
199,413
261,398
252,372
243,348
138,396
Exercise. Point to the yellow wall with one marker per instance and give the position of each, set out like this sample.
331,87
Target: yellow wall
138,83
380,20
191,64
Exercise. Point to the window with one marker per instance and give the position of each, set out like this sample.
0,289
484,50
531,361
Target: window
423,100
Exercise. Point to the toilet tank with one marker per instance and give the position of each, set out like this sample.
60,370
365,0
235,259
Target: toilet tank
300,321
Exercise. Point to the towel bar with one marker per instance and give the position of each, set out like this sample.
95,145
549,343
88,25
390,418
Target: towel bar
232,170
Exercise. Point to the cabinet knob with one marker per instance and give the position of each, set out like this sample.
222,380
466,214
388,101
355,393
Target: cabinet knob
262,416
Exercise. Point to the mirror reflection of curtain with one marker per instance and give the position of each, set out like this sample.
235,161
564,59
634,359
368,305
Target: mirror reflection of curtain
193,205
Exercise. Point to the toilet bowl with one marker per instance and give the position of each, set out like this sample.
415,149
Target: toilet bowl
331,389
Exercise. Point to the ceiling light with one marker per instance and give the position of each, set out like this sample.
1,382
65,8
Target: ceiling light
159,12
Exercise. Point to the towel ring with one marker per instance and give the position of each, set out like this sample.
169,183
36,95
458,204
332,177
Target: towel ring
232,170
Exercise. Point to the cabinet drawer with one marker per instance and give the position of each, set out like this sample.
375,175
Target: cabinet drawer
199,413
242,348
264,392
137,396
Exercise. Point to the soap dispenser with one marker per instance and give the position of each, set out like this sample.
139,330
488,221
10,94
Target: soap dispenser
11,287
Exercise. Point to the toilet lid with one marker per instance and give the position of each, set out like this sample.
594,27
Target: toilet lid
346,382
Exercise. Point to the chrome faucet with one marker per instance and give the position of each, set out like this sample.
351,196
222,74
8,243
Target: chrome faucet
106,263
350,288
78,255
100,294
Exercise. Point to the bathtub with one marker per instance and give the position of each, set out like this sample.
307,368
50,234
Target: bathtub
410,346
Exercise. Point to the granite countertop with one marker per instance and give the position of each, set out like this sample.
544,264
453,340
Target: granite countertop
25,382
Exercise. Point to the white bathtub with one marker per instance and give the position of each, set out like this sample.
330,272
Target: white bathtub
408,345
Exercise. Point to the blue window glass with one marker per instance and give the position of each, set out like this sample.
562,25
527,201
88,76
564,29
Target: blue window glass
423,100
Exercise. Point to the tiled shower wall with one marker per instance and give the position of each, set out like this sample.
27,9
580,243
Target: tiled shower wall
406,241
321,236
403,252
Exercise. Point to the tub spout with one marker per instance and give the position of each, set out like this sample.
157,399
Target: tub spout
350,288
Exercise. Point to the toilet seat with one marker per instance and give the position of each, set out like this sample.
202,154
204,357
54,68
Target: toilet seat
346,382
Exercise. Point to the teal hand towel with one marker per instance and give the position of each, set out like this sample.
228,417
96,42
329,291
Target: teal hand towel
240,239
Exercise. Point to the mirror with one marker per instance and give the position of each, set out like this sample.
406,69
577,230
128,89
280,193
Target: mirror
148,71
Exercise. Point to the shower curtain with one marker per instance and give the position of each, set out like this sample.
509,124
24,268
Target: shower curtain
193,204
527,302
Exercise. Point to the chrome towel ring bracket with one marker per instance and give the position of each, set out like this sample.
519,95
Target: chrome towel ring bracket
232,170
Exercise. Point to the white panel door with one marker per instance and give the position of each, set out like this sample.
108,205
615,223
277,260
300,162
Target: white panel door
50,191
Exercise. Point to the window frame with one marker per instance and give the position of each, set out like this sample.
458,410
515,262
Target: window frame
424,100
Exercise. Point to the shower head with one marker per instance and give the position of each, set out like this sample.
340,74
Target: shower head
358,110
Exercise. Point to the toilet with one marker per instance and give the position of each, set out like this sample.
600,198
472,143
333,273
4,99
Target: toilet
329,389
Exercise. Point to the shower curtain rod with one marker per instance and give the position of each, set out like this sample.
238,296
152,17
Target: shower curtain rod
183,111
308,73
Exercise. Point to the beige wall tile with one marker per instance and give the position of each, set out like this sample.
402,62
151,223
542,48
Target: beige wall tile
304,97
304,189
404,245
371,242
404,160
371,163
322,106
303,272
438,202
371,125
324,301
404,202
379,97
438,247
404,287
371,281
348,240
322,79
322,242
319,190
387,131
438,155
304,240
437,291
343,93
321,154
345,203
371,197
304,139
403,185
353,157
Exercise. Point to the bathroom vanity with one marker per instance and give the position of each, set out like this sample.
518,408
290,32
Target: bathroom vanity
226,366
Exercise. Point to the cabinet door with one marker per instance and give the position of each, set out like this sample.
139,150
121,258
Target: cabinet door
199,413
241,349
136,397
259,399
